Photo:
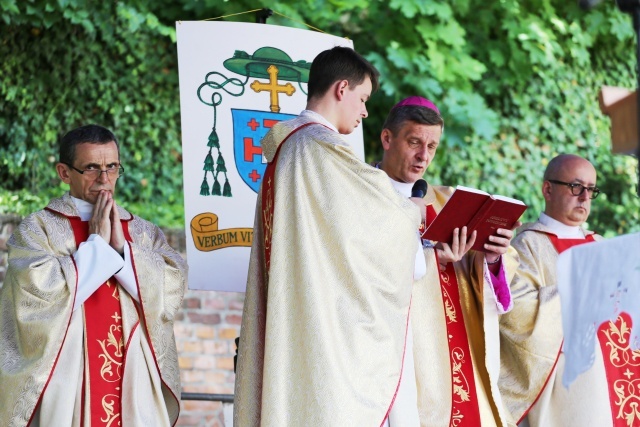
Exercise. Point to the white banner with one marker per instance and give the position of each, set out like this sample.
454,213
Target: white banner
236,81
596,282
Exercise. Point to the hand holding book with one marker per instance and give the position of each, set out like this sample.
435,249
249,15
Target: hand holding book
454,251
499,246
480,212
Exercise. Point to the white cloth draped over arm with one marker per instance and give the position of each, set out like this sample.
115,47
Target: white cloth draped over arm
96,262
126,277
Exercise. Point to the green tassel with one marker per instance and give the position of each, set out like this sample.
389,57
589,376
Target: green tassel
215,190
208,163
214,141
204,187
221,164
227,189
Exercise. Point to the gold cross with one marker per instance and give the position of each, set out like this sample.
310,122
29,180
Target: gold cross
273,87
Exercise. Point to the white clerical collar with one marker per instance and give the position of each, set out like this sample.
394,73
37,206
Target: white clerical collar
402,187
85,209
318,118
561,230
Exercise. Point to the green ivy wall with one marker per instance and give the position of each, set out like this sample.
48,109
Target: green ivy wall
517,83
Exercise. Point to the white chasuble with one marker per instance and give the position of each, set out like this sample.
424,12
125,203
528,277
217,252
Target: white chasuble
43,339
329,287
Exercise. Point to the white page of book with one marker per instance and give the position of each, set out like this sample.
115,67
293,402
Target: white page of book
471,190
495,196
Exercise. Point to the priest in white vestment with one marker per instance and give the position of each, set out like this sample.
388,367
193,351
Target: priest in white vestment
531,335
325,317
88,304
457,296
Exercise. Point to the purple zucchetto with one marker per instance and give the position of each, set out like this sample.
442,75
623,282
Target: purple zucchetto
418,101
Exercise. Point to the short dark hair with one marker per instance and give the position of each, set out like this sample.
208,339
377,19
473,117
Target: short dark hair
92,134
339,63
413,113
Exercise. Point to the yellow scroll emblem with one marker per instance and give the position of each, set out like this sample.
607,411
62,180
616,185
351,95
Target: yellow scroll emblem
207,237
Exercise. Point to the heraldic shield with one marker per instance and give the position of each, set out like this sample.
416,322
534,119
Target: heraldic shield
249,127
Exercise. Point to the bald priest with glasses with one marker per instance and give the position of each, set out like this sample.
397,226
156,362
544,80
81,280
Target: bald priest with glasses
532,361
88,303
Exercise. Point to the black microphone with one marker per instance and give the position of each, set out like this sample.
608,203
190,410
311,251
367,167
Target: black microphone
419,188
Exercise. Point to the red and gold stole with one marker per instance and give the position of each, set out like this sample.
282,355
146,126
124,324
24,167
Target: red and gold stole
622,365
464,399
104,347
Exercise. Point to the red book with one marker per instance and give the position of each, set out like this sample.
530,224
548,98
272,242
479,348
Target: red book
477,210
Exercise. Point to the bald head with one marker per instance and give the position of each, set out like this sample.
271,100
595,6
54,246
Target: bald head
560,162
560,202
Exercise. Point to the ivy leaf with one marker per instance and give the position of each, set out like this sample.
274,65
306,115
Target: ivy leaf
438,9
9,6
409,8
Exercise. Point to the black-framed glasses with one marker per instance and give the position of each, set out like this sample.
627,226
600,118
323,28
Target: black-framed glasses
111,171
578,189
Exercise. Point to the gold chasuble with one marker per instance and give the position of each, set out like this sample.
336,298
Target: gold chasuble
324,325
456,338
607,395
110,362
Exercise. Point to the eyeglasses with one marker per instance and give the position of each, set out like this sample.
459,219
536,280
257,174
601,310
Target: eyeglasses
578,189
111,171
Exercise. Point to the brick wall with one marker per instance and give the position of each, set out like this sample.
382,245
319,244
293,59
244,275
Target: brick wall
205,332
205,329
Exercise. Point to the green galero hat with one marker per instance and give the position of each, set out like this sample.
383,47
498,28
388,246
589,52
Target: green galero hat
256,65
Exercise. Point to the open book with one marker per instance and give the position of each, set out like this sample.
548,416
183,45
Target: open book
477,210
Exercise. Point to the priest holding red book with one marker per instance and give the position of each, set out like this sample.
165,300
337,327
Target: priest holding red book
452,360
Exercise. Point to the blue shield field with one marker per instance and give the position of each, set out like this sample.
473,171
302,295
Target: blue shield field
249,127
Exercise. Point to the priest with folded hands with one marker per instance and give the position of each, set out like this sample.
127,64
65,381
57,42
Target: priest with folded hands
88,304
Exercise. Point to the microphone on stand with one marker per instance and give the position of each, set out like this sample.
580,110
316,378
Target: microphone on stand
419,188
